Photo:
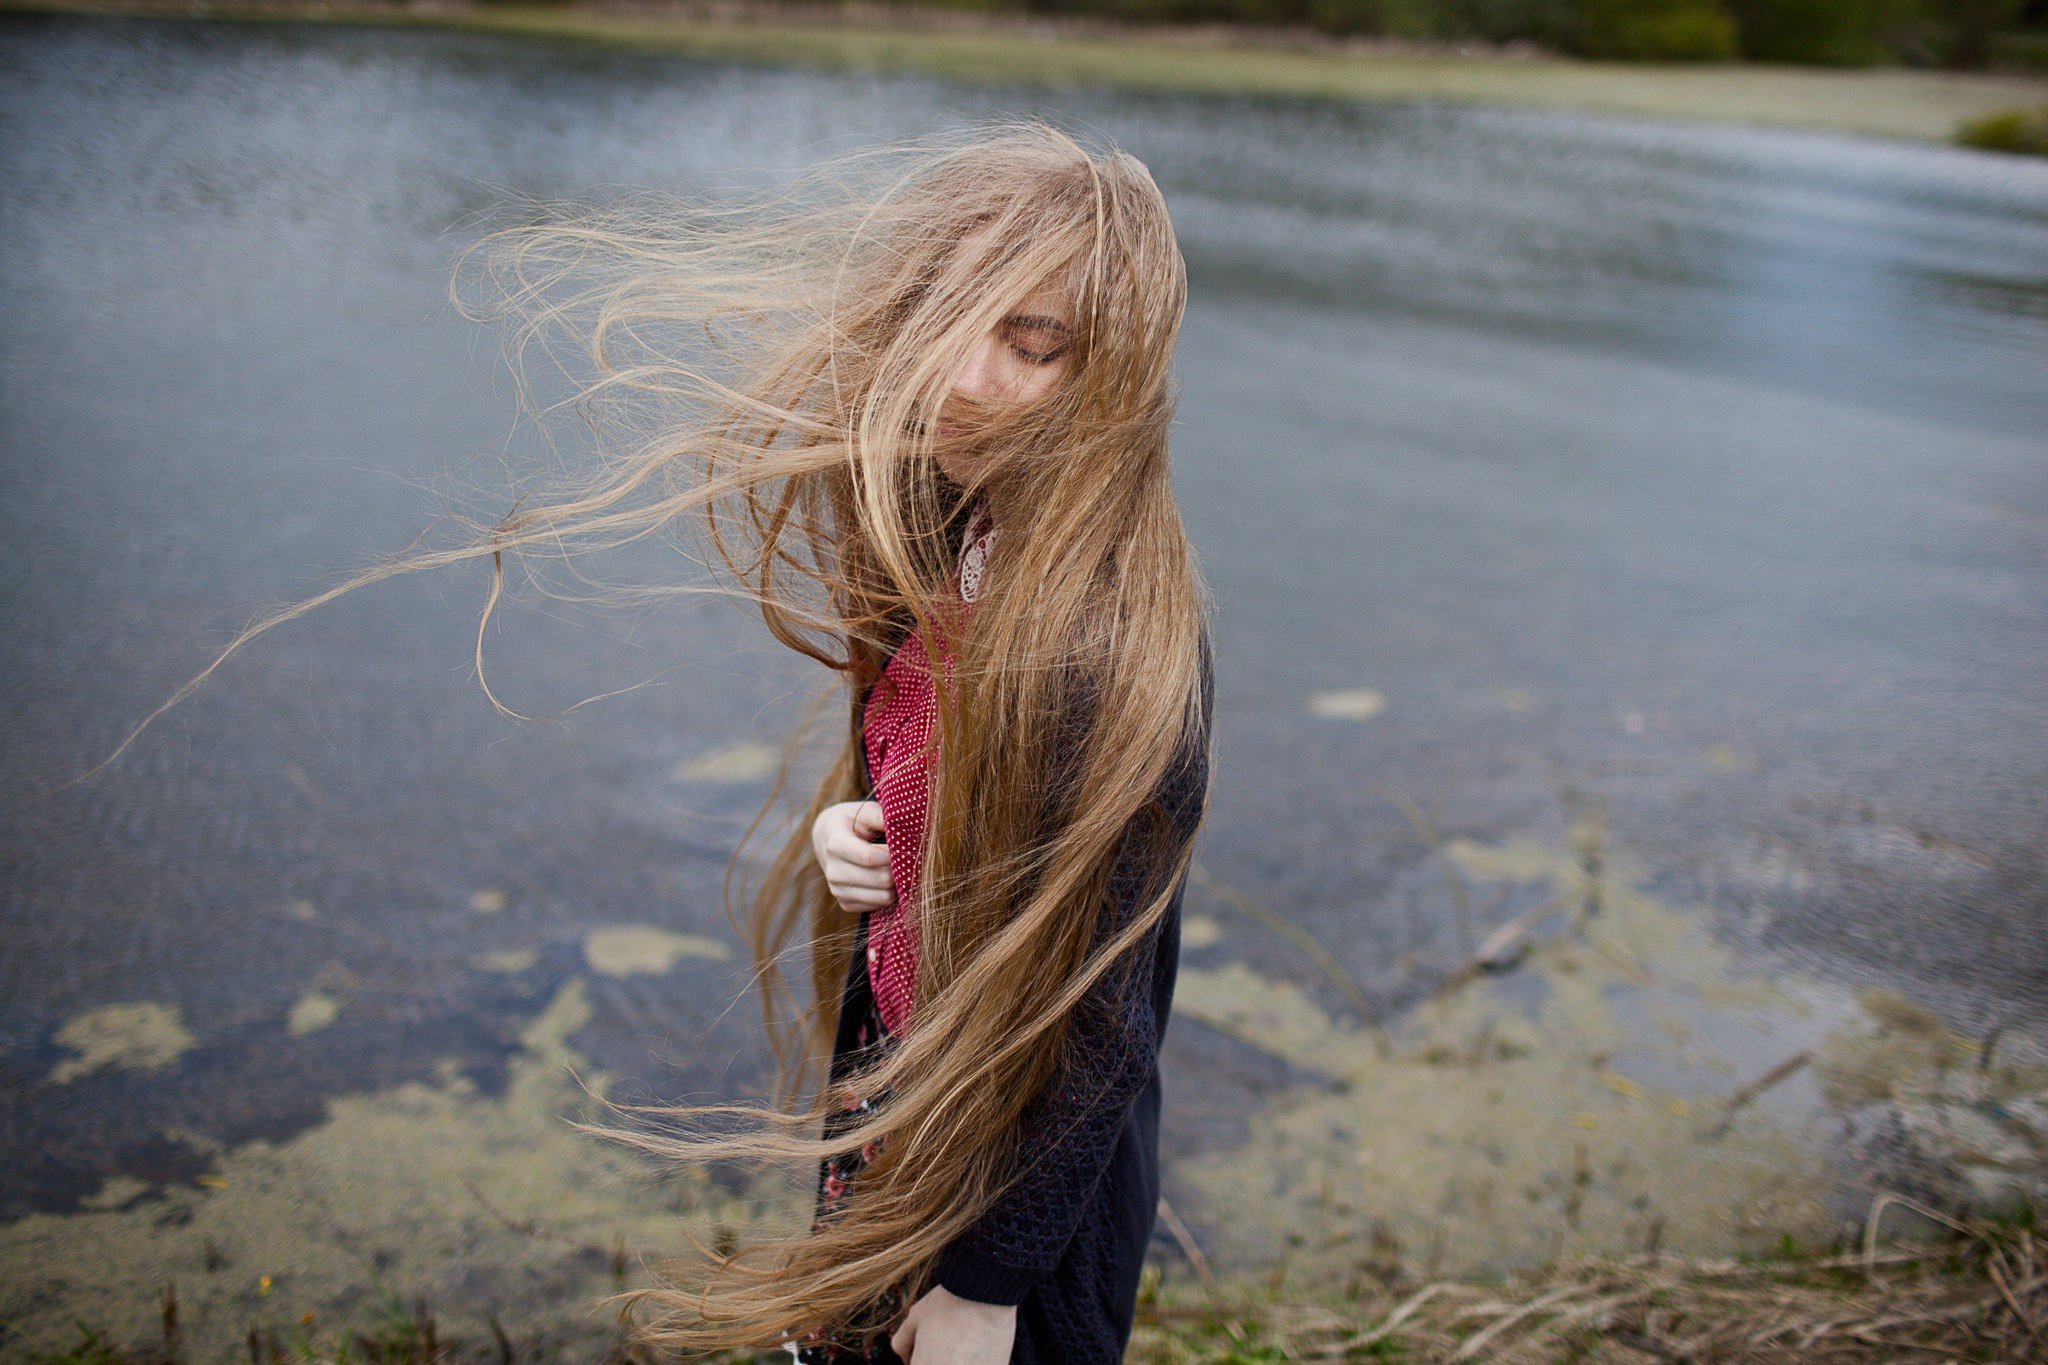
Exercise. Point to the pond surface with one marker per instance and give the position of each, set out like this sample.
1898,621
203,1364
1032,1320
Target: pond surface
1684,483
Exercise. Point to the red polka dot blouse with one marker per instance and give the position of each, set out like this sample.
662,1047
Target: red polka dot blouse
898,730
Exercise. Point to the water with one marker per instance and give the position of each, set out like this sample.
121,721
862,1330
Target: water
1692,472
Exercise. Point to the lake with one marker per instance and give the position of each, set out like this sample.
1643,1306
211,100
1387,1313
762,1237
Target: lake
1644,521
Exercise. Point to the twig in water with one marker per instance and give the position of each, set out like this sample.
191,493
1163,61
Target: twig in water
529,1228
1493,953
1425,828
1302,939
1990,1045
1742,1097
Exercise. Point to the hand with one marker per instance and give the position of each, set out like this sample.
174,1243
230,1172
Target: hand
945,1329
847,841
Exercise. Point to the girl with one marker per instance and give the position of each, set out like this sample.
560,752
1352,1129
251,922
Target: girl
918,404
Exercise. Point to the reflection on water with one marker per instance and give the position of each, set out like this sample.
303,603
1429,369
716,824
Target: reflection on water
1693,469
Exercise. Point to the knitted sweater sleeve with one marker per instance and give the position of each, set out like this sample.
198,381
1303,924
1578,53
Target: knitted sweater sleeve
1069,1133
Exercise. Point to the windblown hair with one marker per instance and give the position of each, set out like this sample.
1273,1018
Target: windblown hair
765,370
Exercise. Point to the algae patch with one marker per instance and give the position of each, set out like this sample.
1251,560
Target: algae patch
1937,1112
138,1036
1357,703
634,949
118,1192
510,961
311,1012
483,1205
1906,1040
1629,1086
746,762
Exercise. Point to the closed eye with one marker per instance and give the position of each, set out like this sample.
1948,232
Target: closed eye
1037,340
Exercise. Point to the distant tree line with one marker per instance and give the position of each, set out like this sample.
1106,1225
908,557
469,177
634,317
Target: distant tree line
1956,33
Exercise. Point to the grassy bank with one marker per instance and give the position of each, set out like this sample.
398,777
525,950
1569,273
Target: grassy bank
1981,1294
1923,105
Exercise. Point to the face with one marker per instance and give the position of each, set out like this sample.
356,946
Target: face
1021,360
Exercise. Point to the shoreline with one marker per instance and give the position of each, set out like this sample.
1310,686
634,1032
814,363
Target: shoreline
1970,1288
1890,102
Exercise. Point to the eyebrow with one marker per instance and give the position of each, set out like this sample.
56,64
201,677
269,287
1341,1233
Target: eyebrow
1037,320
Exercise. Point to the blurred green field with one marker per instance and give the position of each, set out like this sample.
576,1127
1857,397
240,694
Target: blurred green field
1893,101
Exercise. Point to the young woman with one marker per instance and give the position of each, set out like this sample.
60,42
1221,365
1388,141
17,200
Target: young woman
1066,1239
916,404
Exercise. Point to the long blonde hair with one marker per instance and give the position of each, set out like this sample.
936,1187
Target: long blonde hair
765,368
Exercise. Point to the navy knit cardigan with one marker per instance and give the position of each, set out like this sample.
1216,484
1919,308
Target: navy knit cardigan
1066,1241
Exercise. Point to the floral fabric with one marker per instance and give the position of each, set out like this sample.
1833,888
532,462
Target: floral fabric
837,1173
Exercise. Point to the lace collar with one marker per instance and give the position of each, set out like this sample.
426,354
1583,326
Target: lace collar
981,535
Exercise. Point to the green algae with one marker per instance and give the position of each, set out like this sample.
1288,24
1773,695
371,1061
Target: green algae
1617,1113
1622,1088
1906,1041
311,1012
142,1035
643,949
1356,703
746,762
485,1206
511,961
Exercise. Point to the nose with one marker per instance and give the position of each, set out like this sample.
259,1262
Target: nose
981,377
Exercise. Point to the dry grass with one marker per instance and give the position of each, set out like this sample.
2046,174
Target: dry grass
1981,1295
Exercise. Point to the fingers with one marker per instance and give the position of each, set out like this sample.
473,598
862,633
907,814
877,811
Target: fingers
856,866
861,864
856,899
849,845
851,831
859,887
